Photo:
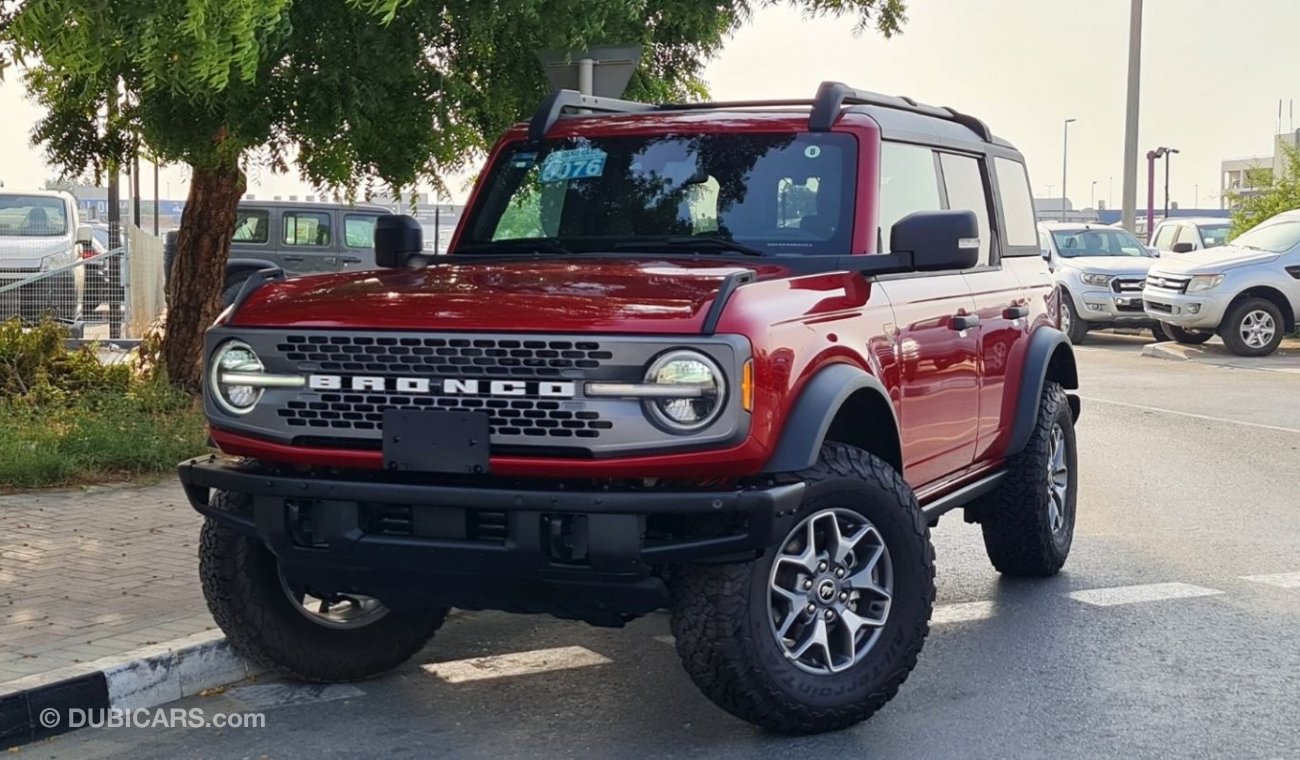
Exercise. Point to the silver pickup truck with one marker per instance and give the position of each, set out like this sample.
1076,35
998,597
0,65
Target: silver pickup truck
1247,291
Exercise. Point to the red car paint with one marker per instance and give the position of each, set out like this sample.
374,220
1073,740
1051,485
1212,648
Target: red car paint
953,391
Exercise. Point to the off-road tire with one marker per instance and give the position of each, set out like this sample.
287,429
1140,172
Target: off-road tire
1017,534
1230,328
1077,329
241,584
1187,337
724,637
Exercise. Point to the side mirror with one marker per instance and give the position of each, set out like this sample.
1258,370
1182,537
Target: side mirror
84,235
1183,248
1046,253
939,241
398,238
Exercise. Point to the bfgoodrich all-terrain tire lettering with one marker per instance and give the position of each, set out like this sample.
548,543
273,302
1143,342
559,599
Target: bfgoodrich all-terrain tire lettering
247,598
723,620
1029,520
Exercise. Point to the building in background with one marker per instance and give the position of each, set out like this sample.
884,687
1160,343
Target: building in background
1050,210
1236,173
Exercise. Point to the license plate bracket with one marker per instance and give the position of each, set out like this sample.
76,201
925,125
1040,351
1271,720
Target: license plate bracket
436,441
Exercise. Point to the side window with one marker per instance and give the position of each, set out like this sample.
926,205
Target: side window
359,230
1187,234
306,228
1165,237
908,182
1017,208
964,182
252,226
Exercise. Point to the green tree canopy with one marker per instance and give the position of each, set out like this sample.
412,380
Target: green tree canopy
1279,193
348,91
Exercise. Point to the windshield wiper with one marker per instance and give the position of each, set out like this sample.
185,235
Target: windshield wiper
697,242
536,244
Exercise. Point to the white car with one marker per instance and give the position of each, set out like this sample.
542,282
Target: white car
1177,235
41,246
1099,271
1248,291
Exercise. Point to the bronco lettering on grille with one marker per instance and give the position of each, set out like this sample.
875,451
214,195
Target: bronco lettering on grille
448,387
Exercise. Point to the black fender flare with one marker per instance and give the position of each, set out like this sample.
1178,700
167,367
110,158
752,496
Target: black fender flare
809,419
1048,351
247,266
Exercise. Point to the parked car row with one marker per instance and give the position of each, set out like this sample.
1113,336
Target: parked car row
1188,286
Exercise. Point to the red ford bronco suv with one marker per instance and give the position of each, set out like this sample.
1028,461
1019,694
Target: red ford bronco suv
731,359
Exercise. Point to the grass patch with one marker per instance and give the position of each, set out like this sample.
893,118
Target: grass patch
67,419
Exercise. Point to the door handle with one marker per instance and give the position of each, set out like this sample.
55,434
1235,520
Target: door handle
350,259
293,259
1015,312
964,321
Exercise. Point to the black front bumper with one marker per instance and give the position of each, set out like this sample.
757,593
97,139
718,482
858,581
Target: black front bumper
596,555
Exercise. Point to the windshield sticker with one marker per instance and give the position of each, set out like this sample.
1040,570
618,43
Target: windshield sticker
812,151
523,160
564,165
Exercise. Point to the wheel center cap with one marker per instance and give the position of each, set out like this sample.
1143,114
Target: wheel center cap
826,591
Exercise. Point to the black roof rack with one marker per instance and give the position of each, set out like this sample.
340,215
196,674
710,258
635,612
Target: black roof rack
830,98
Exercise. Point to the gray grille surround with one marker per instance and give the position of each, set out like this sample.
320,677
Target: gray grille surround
598,427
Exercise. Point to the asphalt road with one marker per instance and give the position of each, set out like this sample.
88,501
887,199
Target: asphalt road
1188,487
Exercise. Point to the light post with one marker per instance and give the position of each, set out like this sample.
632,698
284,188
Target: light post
1131,116
1065,162
1092,200
1167,151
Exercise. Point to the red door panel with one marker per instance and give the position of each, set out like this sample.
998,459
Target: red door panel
1003,310
939,408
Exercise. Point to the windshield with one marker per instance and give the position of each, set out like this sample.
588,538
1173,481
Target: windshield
1276,238
774,193
1214,234
1105,241
32,216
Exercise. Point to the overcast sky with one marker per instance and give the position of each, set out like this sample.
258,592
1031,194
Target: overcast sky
1212,74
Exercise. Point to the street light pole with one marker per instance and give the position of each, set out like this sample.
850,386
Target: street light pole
1065,161
1167,152
1131,115
1092,198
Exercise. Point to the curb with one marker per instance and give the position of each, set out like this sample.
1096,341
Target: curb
139,679
1170,350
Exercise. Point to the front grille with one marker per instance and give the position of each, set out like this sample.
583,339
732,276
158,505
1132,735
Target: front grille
480,357
537,418
1127,285
1168,282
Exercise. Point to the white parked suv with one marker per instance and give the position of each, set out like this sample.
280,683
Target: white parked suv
41,244
1100,271
1247,291
1179,235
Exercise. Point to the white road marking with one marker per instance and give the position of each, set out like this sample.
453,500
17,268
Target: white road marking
1210,418
1281,580
516,664
1151,592
962,612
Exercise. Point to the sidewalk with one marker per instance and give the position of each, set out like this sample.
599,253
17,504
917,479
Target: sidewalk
97,572
1214,353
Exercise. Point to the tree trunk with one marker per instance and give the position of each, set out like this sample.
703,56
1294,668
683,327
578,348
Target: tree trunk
199,271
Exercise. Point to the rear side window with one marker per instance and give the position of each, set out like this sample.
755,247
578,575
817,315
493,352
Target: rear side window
359,230
1017,208
964,182
306,228
252,226
908,183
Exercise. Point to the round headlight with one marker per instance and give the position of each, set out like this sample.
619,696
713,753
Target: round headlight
702,387
234,357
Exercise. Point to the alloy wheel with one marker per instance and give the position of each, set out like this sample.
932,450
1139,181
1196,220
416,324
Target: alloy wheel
1257,328
1058,481
340,611
830,591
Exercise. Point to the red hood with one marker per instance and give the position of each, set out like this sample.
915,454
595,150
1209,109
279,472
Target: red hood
622,295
